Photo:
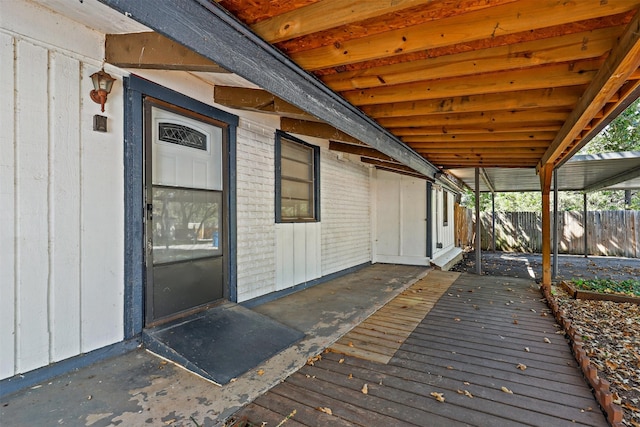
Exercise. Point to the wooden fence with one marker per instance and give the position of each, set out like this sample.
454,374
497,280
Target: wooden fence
609,233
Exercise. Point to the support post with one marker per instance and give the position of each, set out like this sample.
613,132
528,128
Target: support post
555,224
478,225
584,225
545,184
493,221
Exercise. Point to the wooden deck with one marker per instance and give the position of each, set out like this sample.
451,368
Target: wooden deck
487,346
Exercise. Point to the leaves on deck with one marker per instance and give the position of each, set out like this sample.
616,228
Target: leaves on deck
365,389
325,410
506,390
439,396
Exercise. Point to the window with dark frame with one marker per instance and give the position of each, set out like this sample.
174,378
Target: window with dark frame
297,180
445,208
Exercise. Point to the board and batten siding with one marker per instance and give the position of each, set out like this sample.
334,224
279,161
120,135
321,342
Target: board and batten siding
61,199
442,234
400,219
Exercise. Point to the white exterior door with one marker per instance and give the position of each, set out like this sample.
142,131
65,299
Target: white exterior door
401,220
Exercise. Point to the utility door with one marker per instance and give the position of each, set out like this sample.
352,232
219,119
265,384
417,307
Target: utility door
185,213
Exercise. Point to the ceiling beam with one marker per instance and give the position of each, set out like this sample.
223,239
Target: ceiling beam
207,29
257,100
566,48
516,17
561,97
542,77
622,62
358,150
471,119
303,21
154,51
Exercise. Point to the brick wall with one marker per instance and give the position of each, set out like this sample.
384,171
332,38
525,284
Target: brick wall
255,205
345,213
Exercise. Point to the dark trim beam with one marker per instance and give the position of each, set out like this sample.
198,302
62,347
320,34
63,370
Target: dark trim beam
207,29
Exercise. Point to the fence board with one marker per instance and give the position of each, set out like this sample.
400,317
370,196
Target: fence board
610,233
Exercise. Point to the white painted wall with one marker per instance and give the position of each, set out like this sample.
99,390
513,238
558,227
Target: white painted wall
346,199
400,219
61,194
443,234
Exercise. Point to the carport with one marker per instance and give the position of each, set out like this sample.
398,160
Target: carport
584,173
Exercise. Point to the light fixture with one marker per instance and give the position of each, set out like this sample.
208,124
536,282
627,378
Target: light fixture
102,83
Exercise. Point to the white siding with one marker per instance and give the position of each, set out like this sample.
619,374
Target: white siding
7,209
443,234
401,211
61,195
345,193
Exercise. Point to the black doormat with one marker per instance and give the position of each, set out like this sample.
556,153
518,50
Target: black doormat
222,343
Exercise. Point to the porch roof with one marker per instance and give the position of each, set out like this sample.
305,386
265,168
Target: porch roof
431,86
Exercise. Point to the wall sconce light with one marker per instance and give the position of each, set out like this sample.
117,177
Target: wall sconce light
102,83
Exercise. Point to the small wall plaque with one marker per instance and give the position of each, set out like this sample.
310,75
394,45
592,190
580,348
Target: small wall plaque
99,123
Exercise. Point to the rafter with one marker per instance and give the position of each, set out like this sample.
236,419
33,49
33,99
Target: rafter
358,150
561,97
154,51
257,100
315,129
490,138
303,21
474,119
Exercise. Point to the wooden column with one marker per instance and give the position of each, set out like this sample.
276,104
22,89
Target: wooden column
585,224
546,173
555,224
478,226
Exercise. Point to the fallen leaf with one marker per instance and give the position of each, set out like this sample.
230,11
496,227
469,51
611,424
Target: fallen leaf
466,383
547,340
450,368
261,372
350,376
527,349
515,321
521,366
341,361
325,410
468,394
457,319
439,396
506,390
365,389
350,344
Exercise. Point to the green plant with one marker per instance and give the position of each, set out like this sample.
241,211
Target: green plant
629,287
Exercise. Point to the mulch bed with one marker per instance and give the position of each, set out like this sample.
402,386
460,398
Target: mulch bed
606,336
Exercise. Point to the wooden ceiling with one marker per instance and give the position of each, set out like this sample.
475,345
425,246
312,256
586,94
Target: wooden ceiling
466,83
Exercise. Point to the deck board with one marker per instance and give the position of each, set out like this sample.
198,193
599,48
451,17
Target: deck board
444,338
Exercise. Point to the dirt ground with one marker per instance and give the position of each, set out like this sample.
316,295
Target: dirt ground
525,265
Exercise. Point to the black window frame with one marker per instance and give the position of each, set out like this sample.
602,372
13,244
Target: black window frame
445,208
278,178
